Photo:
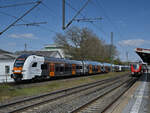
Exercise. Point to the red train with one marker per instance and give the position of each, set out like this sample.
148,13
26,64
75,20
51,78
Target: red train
137,69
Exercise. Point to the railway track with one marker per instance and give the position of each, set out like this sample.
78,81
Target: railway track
102,102
29,83
33,102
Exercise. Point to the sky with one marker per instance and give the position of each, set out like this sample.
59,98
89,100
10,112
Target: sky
127,19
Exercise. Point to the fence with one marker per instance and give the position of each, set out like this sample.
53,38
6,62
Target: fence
5,78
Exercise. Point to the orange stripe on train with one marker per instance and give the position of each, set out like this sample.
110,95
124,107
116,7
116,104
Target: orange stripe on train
17,70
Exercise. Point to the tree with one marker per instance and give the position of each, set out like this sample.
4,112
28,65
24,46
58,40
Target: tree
110,52
83,44
117,61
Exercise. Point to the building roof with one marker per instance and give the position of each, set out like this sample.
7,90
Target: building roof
41,53
3,51
144,54
5,55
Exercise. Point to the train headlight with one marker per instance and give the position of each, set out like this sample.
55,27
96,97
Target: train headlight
18,71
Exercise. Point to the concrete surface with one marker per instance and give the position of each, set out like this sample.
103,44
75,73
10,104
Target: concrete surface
136,99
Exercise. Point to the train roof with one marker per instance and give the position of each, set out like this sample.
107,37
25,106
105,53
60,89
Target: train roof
24,56
106,64
92,62
63,60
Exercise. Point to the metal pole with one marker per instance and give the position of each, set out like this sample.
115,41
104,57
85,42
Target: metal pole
127,57
111,55
25,47
77,14
6,77
20,18
63,14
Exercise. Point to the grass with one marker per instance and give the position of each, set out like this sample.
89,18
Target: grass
9,92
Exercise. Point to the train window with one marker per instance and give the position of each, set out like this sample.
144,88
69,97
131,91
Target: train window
44,66
61,69
57,68
96,68
135,66
93,68
19,63
66,68
7,69
80,67
77,67
70,68
34,64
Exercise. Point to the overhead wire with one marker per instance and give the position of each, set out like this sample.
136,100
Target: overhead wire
25,21
106,15
78,12
6,14
74,9
31,24
28,11
19,4
49,9
100,29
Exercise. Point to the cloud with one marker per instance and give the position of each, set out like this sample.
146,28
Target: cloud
133,42
26,35
12,44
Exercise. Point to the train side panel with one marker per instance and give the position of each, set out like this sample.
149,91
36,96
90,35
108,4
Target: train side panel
32,67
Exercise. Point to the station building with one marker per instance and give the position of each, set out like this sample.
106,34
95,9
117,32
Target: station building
6,65
145,56
56,48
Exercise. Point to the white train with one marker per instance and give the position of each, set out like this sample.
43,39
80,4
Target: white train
38,67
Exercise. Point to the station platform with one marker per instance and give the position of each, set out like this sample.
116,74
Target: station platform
140,100
136,99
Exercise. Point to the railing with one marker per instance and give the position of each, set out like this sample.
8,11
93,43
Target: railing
5,79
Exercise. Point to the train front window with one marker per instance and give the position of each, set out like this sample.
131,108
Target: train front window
20,60
19,63
135,66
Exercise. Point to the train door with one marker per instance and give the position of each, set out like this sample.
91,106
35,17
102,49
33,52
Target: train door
66,70
99,69
90,69
45,69
62,69
73,69
52,70
106,69
57,68
96,70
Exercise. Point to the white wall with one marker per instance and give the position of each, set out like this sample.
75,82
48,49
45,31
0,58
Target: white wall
3,74
59,50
